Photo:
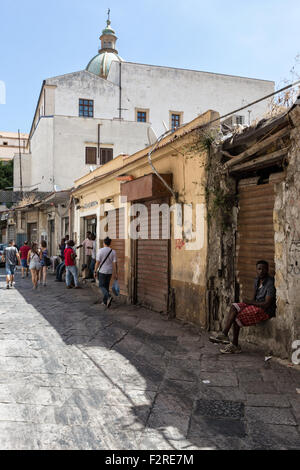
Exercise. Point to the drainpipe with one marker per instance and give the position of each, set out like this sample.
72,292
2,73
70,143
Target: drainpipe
120,90
99,155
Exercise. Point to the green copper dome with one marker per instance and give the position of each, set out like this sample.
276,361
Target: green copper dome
100,64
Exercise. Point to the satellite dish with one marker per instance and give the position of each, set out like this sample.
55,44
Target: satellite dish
56,188
152,138
92,168
165,126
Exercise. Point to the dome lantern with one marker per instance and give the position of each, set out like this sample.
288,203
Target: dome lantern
100,64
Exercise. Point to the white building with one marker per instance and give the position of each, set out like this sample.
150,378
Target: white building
12,143
85,118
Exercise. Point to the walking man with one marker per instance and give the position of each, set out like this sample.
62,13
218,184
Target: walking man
24,253
250,312
71,269
11,258
106,262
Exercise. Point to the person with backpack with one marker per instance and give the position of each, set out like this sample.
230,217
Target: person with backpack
106,268
71,268
33,259
11,258
45,262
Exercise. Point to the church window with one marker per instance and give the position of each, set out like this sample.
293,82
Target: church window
86,108
91,155
142,115
175,120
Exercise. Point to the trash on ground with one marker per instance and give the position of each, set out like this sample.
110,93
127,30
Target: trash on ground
298,390
206,381
267,358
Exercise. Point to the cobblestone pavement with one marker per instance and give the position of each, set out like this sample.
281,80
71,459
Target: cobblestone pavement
76,376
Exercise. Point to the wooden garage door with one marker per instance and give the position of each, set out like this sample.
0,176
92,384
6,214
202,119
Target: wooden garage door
255,237
152,263
118,242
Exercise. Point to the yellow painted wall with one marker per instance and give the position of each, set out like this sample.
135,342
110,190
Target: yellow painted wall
187,165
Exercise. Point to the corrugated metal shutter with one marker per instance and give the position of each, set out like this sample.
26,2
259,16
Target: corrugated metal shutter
152,264
11,233
255,236
118,242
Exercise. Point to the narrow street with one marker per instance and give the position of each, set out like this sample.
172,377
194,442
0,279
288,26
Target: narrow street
76,376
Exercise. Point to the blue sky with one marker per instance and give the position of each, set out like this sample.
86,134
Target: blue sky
257,38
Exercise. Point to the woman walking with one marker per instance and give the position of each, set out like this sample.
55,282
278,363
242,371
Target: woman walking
33,260
43,259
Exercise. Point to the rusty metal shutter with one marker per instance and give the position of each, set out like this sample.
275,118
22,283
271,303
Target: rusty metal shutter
116,218
255,235
152,264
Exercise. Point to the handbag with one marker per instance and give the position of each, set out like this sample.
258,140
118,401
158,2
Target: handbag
116,288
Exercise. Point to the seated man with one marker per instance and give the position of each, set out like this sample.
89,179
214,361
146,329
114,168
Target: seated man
249,312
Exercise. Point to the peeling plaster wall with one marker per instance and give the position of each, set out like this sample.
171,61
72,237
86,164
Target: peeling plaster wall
276,335
287,245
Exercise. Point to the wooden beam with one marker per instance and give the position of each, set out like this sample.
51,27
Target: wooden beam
260,162
226,154
257,147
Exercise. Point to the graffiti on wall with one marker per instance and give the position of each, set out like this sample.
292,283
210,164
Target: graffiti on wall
294,258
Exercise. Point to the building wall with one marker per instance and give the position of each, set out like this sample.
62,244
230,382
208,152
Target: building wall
71,135
26,172
166,89
60,135
71,87
42,161
287,247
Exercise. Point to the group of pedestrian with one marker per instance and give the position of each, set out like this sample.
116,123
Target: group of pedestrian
101,264
33,258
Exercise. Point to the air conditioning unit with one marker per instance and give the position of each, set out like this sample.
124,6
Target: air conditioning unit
11,221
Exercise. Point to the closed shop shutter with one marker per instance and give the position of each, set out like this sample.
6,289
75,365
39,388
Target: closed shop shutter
152,263
118,242
11,232
255,237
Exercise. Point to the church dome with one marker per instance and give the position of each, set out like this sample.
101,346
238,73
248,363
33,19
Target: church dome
100,64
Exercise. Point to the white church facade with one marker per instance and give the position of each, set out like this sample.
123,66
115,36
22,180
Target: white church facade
86,118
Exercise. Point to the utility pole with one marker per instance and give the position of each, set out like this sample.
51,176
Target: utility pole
21,180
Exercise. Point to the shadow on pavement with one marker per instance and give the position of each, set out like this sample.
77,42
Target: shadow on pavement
134,359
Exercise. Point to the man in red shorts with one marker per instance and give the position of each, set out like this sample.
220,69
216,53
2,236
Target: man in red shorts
249,312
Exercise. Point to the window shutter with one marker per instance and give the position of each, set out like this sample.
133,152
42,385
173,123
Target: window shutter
91,155
105,155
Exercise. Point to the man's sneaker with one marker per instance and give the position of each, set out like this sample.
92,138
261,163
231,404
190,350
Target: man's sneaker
7,286
219,338
108,303
231,349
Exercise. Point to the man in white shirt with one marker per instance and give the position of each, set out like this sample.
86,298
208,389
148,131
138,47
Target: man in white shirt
106,261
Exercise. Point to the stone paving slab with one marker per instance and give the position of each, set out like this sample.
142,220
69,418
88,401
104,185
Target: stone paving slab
74,375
